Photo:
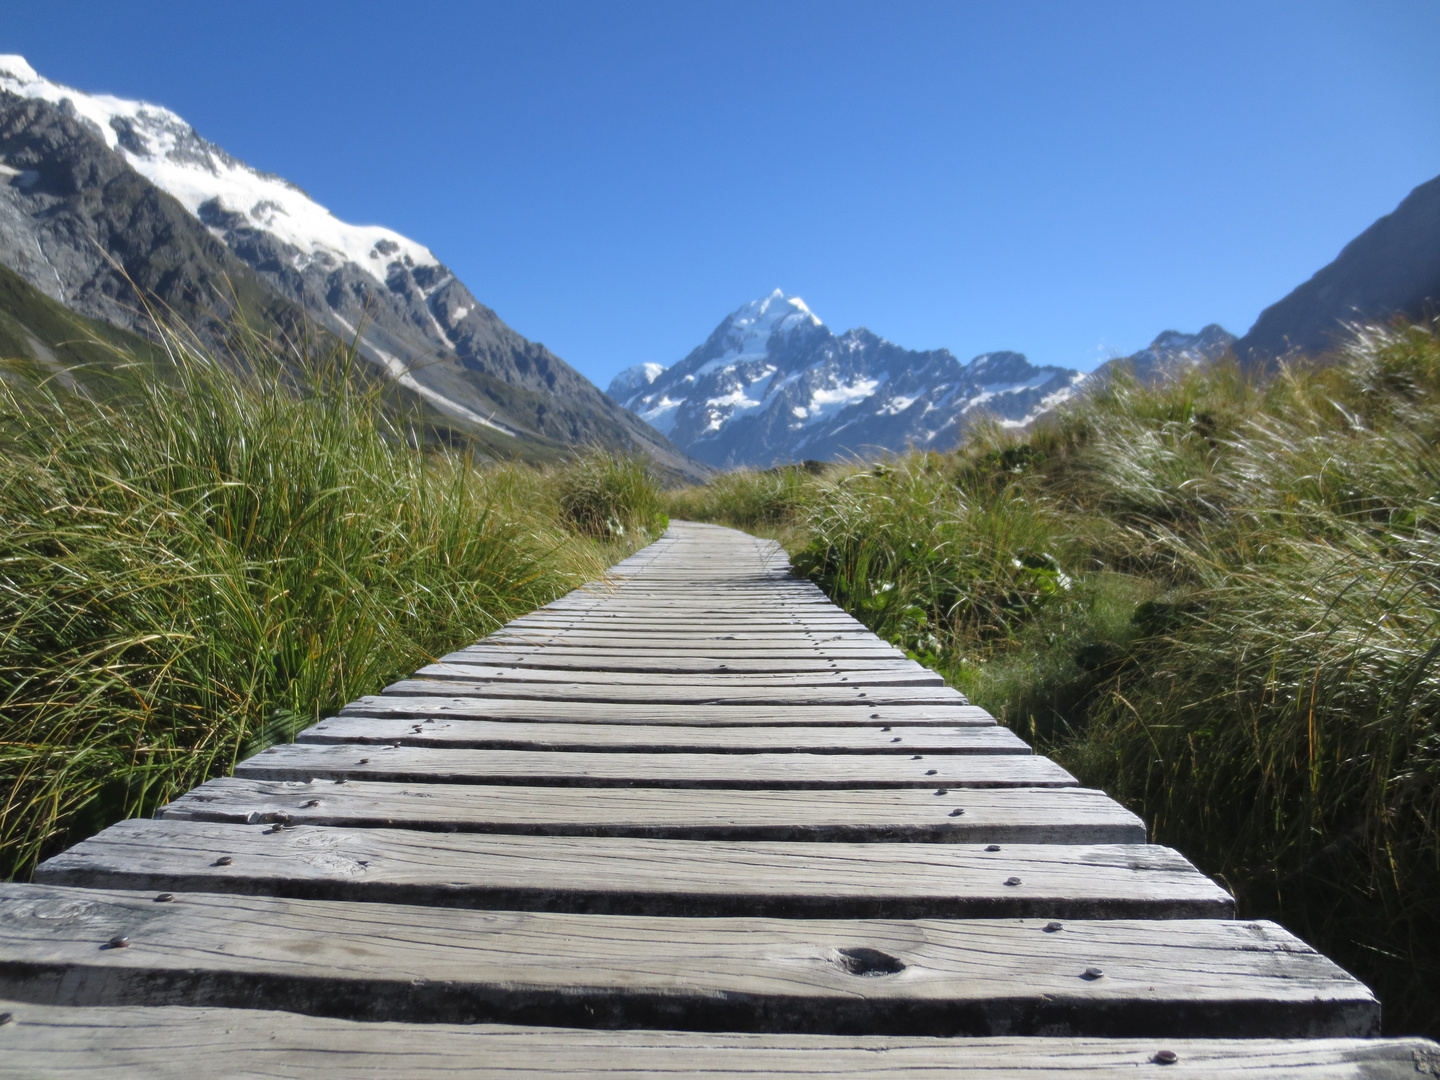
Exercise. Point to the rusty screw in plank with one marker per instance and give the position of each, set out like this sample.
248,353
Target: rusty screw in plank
223,860
1012,881
1165,1057
119,941
1092,973
165,898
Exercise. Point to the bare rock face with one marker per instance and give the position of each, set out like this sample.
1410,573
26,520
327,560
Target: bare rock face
1171,353
774,385
1392,268
102,198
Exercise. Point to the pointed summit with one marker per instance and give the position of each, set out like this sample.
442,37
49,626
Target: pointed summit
772,384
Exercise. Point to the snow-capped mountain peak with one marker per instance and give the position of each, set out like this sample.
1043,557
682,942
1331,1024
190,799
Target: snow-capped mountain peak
773,384
214,186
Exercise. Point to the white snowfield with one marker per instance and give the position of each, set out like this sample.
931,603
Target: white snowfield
169,153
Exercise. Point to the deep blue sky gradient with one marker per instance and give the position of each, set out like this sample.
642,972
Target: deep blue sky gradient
612,178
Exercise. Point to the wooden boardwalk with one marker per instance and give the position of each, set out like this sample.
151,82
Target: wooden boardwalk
693,819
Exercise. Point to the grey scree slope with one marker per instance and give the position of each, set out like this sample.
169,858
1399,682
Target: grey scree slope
692,819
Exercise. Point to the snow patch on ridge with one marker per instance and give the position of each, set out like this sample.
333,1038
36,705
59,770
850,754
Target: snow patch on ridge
168,152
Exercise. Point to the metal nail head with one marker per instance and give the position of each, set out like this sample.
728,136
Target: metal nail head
223,860
119,941
1052,927
895,739
1165,1057
942,791
956,812
309,803
6,1018
165,898
1092,973
364,761
1013,881
992,847
886,728
931,772
343,780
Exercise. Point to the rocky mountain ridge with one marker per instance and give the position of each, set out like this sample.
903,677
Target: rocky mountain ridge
773,384
100,195
1390,269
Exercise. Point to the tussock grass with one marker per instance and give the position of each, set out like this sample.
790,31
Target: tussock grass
606,496
1220,601
205,558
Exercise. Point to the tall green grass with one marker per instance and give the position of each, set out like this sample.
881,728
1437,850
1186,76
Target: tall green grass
203,558
1217,599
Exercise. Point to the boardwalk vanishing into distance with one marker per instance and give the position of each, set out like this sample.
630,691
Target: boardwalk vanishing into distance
692,819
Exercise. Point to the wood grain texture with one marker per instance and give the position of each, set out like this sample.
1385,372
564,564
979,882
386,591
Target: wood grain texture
618,646
46,1042
673,663
621,876
1204,977
431,700
992,815
877,738
681,694
688,678
405,764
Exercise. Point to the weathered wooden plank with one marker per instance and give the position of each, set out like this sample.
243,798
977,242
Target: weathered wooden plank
682,694
909,674
185,1043
641,738
602,646
405,764
992,815
933,977
695,621
436,703
676,664
622,876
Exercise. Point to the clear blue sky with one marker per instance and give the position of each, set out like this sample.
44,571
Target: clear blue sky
614,177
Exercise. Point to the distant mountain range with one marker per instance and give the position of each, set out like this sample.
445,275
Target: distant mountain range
773,384
97,189
101,196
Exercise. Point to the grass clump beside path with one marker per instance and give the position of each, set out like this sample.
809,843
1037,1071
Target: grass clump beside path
1218,600
198,563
